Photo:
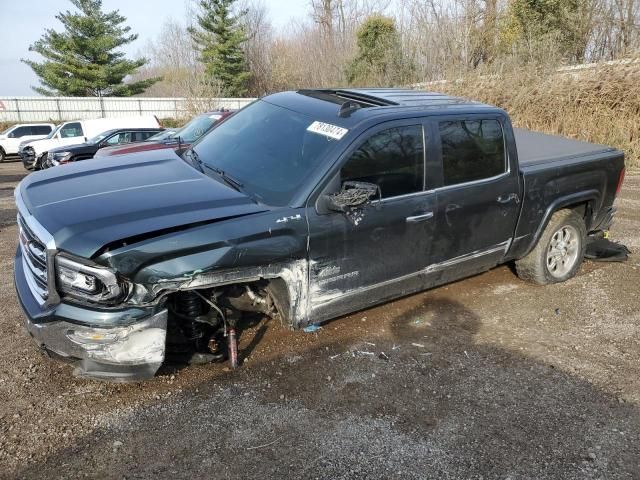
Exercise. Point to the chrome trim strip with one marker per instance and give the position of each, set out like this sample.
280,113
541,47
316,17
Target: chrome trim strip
418,218
38,293
436,267
475,182
504,246
46,239
406,195
38,272
38,230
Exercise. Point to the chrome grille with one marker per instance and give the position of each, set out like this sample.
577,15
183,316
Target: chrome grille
34,260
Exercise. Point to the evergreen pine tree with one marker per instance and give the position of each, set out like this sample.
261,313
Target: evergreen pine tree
83,60
220,38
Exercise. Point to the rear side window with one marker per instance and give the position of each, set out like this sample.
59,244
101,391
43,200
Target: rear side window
471,150
392,159
41,130
71,130
142,136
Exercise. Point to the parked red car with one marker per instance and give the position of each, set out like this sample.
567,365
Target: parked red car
179,141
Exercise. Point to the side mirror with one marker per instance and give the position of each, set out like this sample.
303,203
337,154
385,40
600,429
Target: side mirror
352,194
11,135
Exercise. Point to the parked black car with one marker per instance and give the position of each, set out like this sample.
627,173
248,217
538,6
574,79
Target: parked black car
84,151
303,206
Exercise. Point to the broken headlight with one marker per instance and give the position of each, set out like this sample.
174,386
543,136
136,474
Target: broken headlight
58,157
83,279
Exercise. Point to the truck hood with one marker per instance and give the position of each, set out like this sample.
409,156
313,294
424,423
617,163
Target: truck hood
138,147
32,142
72,148
88,205
42,145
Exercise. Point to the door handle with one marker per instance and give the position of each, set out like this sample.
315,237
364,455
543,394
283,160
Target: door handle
512,197
420,218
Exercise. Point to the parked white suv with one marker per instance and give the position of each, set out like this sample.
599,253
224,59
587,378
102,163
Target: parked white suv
78,131
11,138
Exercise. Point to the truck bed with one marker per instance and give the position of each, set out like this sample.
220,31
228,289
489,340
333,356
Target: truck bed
535,148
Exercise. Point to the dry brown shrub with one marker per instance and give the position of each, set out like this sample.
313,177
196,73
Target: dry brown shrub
599,104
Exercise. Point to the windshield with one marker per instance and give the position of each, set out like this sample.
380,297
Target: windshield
54,131
266,148
100,137
197,127
161,135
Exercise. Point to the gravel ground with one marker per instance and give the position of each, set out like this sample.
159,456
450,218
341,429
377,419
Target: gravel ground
489,377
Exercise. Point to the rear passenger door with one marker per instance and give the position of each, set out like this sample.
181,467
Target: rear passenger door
478,197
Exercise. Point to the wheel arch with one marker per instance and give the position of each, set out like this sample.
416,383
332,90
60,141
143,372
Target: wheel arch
584,202
287,285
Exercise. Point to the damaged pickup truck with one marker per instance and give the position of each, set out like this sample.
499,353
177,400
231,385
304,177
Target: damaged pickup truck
305,206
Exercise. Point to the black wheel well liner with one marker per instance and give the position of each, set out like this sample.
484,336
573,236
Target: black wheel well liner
583,202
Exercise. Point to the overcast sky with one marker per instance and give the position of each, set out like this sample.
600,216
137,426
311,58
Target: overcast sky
22,22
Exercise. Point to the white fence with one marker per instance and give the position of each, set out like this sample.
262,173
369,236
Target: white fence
55,109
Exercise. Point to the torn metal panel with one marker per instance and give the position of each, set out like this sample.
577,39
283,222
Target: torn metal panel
294,274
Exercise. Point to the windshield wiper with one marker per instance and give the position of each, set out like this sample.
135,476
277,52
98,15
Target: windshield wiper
231,181
228,179
195,160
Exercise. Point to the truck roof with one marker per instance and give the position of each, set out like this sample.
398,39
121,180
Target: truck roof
347,107
401,97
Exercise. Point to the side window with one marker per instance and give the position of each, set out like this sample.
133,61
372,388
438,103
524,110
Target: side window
471,150
392,159
21,132
144,135
118,138
71,130
41,130
138,136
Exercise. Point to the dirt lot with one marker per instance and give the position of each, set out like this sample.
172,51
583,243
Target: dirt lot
485,378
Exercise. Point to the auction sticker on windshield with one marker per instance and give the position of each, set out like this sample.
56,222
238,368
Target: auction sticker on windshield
328,130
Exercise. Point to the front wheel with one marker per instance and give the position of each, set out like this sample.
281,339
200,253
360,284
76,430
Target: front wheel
2,155
38,163
559,252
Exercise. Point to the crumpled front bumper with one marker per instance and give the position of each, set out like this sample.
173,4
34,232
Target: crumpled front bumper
28,158
115,345
118,354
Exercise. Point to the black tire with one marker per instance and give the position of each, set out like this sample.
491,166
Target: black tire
552,260
39,161
2,155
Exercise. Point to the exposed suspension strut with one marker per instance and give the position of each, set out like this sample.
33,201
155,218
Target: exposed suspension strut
190,308
229,322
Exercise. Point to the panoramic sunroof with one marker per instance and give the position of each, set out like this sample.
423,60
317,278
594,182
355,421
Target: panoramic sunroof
339,98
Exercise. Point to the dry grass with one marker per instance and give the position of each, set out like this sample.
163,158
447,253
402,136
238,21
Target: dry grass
600,105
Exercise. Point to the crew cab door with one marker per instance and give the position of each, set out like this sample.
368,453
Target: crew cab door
355,255
479,194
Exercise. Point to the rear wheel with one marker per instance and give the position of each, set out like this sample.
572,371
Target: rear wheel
559,253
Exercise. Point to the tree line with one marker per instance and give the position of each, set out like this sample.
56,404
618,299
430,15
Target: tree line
230,47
